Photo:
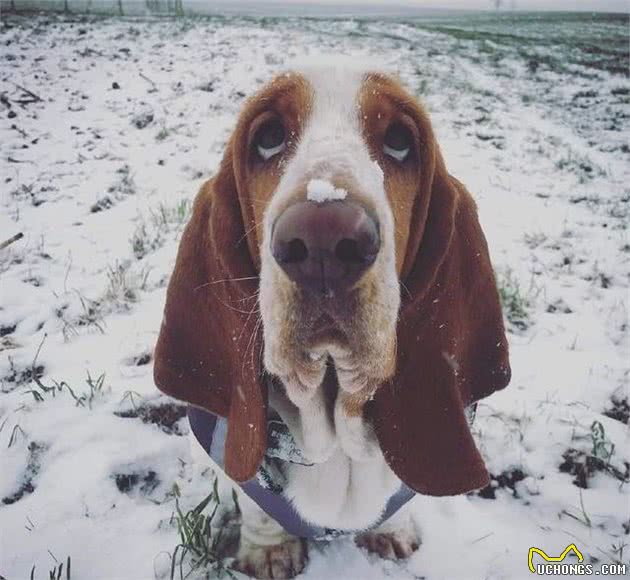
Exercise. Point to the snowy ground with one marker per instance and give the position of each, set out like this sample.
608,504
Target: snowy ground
123,122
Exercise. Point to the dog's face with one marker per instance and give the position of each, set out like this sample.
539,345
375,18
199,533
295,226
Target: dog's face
333,207
331,163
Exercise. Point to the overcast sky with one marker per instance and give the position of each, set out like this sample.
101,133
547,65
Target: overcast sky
571,5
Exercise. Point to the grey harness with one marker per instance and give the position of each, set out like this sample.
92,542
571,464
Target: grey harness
266,488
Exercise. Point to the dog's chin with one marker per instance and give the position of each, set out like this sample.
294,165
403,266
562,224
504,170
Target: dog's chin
349,333
324,335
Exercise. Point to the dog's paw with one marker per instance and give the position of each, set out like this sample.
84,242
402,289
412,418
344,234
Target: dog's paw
278,561
391,545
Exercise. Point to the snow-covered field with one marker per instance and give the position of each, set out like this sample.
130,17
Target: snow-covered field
107,129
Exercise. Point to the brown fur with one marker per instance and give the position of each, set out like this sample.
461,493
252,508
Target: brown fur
451,345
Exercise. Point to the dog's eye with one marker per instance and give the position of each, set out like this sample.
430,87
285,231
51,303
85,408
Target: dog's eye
270,139
397,142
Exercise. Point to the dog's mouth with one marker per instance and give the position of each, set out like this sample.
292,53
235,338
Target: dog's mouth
325,326
325,330
325,323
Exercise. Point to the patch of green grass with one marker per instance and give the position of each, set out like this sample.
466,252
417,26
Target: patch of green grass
198,547
131,396
145,240
91,315
15,433
600,459
617,551
150,234
516,304
124,284
122,287
171,215
58,572
581,165
162,134
87,398
125,184
602,448
95,390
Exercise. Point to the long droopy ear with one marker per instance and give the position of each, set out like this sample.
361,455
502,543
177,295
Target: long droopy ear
208,351
452,348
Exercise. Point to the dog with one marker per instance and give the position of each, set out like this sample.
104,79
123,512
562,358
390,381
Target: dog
332,317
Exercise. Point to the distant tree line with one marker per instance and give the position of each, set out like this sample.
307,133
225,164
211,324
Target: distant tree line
121,7
172,6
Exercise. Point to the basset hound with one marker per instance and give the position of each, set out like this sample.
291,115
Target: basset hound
332,316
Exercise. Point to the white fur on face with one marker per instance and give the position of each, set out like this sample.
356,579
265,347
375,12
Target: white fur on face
332,145
331,149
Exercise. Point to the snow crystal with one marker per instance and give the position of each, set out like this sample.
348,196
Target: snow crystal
321,190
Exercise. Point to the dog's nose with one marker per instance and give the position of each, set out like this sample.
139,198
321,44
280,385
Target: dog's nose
325,248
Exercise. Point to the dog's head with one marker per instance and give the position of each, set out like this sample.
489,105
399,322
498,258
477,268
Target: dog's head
332,235
335,162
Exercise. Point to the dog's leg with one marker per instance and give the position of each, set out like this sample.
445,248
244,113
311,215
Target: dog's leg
266,550
356,436
309,423
395,539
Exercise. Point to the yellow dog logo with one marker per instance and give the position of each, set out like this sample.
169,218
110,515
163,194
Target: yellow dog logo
532,551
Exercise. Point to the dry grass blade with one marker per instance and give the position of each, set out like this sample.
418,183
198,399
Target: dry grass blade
12,239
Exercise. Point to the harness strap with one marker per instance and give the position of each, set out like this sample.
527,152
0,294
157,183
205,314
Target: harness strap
210,430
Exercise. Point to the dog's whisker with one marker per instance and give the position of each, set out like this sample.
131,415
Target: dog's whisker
247,232
232,307
247,347
252,340
256,307
406,289
225,280
207,284
257,329
262,347
254,295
